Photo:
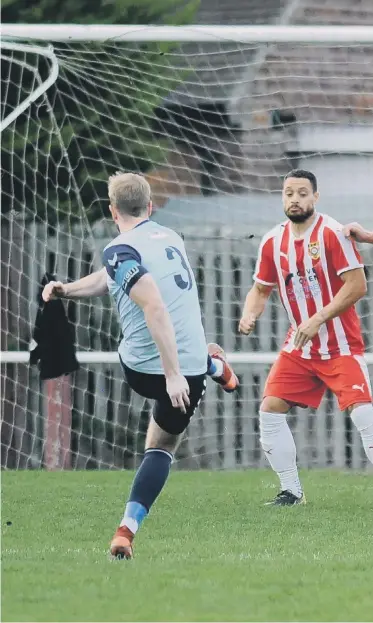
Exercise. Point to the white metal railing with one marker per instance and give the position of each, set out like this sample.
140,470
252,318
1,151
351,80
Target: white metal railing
94,357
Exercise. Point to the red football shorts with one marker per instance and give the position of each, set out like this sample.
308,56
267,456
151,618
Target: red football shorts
302,382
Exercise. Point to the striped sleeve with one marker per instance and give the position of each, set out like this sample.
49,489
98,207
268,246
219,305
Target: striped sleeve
265,270
123,265
343,253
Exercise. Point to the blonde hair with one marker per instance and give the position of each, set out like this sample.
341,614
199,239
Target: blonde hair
129,193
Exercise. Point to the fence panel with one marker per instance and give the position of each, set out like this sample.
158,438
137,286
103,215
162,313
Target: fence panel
108,420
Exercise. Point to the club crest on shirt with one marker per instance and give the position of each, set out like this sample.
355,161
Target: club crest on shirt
314,250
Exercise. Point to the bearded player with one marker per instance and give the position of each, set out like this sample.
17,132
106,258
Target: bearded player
320,276
163,352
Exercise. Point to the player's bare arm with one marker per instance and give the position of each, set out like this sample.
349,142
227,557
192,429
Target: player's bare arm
255,303
355,231
145,294
92,285
353,289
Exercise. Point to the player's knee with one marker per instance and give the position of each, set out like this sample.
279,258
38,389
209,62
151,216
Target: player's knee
351,408
269,426
158,438
362,415
169,444
272,404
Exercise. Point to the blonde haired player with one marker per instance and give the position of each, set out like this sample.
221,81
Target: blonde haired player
319,275
163,352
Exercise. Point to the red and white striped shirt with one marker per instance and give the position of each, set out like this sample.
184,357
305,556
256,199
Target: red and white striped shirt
307,272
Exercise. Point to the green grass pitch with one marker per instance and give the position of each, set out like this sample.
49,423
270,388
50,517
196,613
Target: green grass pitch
210,551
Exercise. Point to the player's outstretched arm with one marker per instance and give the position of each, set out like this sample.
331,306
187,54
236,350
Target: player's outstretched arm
358,233
92,285
145,293
255,303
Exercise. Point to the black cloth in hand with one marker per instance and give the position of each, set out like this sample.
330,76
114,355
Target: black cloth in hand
53,336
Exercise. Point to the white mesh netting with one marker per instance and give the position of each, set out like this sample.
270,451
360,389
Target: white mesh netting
213,126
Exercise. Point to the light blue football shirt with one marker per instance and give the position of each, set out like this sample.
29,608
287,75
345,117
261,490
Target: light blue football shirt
160,251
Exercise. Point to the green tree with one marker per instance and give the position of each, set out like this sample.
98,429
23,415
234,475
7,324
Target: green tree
97,117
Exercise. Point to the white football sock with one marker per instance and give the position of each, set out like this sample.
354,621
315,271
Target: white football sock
279,447
362,417
130,523
219,367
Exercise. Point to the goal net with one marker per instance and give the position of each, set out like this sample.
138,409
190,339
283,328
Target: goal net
213,125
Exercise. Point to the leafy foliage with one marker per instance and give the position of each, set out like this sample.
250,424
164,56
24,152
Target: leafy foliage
95,119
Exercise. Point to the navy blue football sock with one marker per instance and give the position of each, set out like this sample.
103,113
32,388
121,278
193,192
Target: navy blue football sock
148,483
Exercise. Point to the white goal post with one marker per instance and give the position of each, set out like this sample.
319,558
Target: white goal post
42,87
214,116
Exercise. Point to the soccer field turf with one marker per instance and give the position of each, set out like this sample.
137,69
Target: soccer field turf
210,551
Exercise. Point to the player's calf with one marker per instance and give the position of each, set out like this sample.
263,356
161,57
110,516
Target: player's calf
278,444
362,417
148,483
165,431
220,370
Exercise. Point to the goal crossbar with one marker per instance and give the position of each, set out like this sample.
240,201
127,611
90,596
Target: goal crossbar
193,33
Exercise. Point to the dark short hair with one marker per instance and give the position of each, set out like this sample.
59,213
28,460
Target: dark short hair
302,173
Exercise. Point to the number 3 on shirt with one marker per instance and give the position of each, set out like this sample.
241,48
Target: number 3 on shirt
173,254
